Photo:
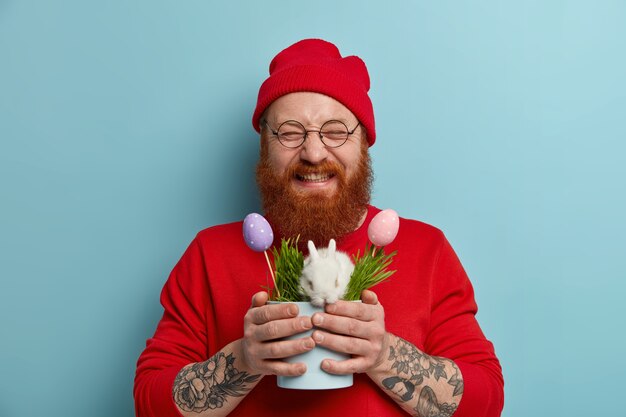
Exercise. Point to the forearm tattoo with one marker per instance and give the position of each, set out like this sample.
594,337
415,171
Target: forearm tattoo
208,384
428,406
415,368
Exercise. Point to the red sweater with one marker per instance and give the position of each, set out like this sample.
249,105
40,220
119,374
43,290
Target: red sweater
429,301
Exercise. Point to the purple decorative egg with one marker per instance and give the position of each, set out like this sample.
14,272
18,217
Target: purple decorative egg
383,228
257,232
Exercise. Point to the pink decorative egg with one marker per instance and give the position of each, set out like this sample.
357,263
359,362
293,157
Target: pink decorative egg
257,232
383,228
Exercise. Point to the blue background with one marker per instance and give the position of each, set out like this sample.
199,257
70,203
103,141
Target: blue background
125,129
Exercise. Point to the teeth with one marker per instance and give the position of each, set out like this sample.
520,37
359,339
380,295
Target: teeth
316,177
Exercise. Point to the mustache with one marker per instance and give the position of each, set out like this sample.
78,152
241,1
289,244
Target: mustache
326,167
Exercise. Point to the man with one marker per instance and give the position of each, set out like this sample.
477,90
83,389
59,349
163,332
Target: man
414,342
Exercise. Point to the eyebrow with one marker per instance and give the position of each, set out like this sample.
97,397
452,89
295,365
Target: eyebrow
278,121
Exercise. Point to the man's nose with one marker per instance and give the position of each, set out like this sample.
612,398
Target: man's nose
313,149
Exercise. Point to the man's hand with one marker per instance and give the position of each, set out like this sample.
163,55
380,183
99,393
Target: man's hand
262,326
357,329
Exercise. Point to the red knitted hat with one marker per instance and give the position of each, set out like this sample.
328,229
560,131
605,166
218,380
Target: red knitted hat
317,66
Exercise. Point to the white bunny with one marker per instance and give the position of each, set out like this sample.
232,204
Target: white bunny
326,274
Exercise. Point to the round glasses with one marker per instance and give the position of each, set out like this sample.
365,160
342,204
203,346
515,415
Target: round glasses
292,133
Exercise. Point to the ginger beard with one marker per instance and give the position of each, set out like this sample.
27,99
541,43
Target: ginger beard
314,215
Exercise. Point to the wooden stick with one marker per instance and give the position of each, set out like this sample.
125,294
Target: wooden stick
271,272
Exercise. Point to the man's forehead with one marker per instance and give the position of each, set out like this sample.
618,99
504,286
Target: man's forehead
308,107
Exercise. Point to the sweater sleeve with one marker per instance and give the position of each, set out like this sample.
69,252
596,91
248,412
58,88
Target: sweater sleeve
455,334
180,337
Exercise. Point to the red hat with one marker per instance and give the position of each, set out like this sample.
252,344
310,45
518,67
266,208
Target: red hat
317,66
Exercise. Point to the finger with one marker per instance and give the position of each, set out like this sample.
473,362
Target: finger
341,325
349,366
285,348
369,297
279,367
267,313
343,344
348,326
259,299
277,329
359,311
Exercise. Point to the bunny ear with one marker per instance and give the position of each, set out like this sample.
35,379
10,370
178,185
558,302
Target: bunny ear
332,246
312,250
